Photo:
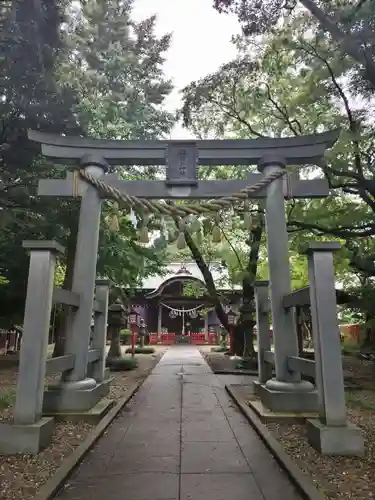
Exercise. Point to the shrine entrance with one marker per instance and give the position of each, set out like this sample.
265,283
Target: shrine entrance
182,321
84,379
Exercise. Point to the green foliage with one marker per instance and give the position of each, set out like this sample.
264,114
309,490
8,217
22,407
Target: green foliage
3,280
347,26
115,65
361,399
125,333
291,83
6,399
89,71
141,350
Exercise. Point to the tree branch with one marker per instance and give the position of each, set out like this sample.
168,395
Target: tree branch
232,248
348,43
340,232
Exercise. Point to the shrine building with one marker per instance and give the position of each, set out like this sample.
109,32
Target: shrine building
176,304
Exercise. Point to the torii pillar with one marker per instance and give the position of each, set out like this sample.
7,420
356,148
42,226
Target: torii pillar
67,395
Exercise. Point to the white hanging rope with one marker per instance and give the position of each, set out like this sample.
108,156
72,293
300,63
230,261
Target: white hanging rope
181,311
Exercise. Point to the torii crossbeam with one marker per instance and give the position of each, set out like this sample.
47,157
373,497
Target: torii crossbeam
182,159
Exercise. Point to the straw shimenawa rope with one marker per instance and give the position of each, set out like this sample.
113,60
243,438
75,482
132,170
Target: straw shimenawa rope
171,209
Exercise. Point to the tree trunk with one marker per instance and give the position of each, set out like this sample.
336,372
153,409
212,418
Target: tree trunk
211,288
243,335
61,327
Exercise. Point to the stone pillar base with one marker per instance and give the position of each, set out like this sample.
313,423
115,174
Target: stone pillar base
345,440
61,398
256,387
289,401
30,439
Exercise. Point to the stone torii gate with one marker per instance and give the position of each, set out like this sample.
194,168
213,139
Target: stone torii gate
182,159
81,387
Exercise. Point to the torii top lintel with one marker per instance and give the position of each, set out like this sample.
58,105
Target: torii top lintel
301,150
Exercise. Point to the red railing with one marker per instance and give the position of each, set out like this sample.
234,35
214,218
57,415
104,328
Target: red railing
153,338
167,338
195,338
198,338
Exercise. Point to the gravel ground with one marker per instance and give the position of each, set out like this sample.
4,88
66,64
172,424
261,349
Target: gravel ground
22,475
336,477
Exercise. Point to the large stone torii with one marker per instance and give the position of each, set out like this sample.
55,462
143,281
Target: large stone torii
82,385
182,159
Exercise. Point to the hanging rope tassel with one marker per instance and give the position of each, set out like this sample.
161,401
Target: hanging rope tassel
216,231
114,225
247,219
181,241
143,233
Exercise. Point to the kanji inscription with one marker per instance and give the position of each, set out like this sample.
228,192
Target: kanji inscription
181,163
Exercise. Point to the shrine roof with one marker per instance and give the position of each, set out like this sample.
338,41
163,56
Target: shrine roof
186,270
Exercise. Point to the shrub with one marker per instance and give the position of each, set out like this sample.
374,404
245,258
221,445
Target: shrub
125,336
141,350
125,333
126,363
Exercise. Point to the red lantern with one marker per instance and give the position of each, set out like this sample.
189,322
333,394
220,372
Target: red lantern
133,322
232,316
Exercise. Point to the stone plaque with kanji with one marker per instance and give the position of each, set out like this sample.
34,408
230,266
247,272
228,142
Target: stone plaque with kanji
181,163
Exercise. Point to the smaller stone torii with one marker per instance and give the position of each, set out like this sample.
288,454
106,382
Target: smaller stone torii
181,159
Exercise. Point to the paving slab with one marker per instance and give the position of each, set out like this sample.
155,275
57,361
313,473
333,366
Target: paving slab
180,438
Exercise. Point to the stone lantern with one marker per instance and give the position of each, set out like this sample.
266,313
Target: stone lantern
116,321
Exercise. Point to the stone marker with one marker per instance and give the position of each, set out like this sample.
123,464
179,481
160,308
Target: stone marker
331,434
30,432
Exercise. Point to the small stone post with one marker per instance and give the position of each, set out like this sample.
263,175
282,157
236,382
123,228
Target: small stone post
30,432
100,330
331,434
78,338
286,392
263,330
33,355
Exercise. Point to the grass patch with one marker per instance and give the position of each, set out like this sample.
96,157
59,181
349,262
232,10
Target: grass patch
361,399
6,399
141,350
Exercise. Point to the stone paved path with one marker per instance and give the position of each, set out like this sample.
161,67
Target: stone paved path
180,438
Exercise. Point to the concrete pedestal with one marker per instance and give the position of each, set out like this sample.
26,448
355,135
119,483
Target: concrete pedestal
62,398
302,399
256,388
31,438
328,440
